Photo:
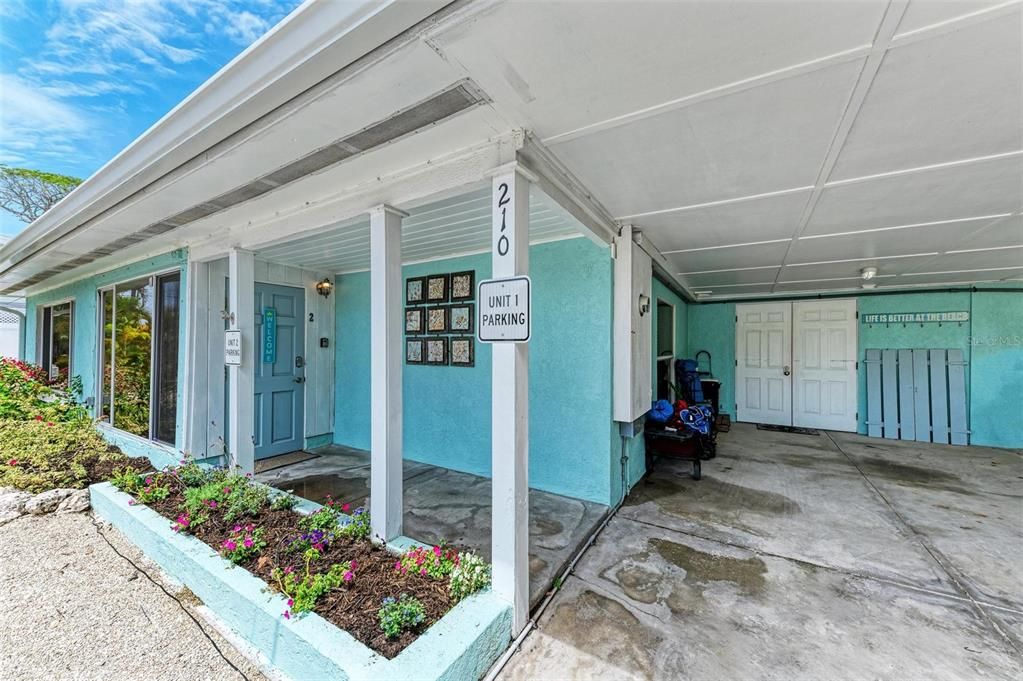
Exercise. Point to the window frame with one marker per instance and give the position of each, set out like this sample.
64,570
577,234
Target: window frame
41,334
152,280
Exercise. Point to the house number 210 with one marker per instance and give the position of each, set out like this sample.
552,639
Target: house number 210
502,204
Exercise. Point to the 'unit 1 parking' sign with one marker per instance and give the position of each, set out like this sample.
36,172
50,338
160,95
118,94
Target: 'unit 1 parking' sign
503,306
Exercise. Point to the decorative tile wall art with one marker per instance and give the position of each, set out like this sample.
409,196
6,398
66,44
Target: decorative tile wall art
463,352
436,320
414,350
450,327
415,320
463,285
437,350
460,318
415,290
437,288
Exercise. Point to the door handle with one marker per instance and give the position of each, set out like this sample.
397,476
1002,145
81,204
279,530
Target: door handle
299,379
787,370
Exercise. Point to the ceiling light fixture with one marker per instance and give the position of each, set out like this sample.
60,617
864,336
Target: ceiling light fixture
868,273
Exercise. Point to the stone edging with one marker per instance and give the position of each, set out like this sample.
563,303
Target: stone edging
15,503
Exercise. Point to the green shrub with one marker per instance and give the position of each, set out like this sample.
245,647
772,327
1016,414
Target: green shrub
25,394
325,519
244,498
37,455
404,614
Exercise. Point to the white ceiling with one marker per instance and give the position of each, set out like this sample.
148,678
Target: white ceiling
763,147
456,225
778,147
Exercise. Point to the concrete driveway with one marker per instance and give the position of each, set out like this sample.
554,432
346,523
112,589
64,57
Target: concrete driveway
800,557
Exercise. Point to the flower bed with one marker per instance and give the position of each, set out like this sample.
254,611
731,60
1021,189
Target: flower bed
323,562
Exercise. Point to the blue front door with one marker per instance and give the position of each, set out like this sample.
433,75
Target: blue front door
280,376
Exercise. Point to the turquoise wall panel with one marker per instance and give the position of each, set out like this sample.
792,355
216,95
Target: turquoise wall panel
712,328
84,353
447,409
992,342
996,369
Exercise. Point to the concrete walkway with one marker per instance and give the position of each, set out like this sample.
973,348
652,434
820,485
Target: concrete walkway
445,505
800,557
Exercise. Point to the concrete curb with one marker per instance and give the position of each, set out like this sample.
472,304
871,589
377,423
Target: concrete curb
462,645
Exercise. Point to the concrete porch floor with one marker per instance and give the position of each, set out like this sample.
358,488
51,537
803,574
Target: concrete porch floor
446,505
800,557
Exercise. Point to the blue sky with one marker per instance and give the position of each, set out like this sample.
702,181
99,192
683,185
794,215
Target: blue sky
81,79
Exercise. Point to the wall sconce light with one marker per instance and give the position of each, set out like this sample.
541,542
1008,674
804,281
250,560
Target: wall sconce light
324,288
644,304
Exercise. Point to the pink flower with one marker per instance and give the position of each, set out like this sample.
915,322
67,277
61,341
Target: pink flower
349,576
227,490
248,542
288,570
49,423
291,602
211,503
12,462
318,547
229,545
149,481
39,417
131,502
249,528
236,528
287,614
345,507
422,571
436,551
354,565
397,565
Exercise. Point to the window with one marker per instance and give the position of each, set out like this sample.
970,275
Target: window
54,354
139,356
665,348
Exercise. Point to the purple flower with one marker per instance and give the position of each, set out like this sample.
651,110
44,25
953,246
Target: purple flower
236,528
349,576
229,545
291,602
287,614
248,542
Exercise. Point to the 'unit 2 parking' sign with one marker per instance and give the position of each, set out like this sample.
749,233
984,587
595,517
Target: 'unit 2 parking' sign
503,306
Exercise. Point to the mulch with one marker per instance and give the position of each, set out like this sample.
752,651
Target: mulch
352,607
101,471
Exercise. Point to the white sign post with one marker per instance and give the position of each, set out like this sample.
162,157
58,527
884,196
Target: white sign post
233,348
504,303
503,306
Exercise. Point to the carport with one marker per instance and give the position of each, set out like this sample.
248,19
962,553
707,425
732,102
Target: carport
800,556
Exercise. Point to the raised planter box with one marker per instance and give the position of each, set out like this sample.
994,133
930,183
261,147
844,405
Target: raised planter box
462,645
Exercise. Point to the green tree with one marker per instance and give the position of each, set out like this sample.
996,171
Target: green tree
27,193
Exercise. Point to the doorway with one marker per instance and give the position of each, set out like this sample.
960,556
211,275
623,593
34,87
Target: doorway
796,363
279,403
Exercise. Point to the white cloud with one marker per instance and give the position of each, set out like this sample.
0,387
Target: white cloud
32,121
245,27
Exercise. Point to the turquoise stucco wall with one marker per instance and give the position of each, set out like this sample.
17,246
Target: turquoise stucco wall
992,342
712,328
84,292
447,409
996,369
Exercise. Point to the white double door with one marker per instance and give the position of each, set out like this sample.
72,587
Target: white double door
796,363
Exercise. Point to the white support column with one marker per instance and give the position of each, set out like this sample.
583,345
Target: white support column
510,405
241,379
386,301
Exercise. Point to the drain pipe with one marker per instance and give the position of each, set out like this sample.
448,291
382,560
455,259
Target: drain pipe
516,644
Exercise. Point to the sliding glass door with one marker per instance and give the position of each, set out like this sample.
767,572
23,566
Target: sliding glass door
139,356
